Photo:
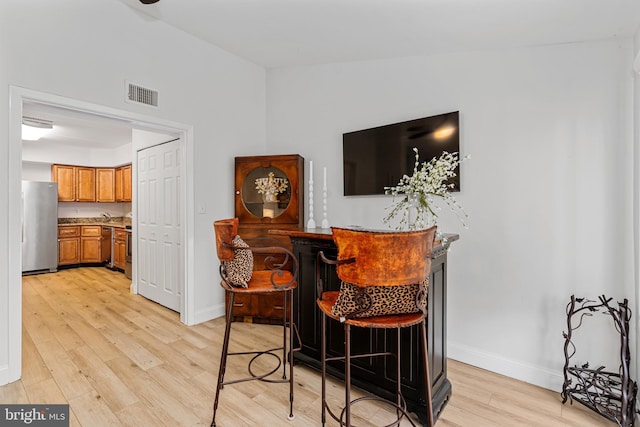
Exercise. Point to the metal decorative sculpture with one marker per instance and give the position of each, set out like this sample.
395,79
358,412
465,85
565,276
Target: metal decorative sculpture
610,394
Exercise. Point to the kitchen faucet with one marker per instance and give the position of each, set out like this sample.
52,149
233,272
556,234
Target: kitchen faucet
106,216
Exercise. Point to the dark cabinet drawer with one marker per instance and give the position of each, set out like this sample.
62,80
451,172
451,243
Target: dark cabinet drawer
258,308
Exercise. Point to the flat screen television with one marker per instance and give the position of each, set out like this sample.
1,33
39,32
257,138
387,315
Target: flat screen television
378,157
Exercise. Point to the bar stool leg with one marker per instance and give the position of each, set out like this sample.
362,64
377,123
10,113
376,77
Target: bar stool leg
398,376
291,332
284,335
223,356
347,372
323,363
427,376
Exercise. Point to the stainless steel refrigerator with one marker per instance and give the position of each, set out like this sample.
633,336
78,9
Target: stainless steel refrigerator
39,227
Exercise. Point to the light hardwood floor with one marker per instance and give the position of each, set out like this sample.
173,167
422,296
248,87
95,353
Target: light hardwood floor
119,359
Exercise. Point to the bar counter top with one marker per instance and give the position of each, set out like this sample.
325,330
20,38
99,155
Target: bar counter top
325,234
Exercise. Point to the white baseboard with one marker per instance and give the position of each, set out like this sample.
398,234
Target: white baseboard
6,376
497,363
209,313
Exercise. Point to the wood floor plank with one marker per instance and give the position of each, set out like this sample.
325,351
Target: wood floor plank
138,414
92,410
34,369
164,405
111,388
207,358
67,375
119,359
180,365
174,386
92,337
161,330
13,393
45,392
131,347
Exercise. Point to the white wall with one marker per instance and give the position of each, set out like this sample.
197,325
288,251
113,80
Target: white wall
62,154
36,171
548,187
85,51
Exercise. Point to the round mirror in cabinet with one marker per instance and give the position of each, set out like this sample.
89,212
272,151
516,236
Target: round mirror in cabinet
266,192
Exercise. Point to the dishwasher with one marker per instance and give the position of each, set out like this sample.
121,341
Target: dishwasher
107,246
128,261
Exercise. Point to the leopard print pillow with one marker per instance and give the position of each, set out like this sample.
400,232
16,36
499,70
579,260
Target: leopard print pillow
385,300
238,271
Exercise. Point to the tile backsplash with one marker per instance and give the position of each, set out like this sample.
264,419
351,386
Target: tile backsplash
92,210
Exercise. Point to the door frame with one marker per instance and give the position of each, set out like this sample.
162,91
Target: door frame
18,95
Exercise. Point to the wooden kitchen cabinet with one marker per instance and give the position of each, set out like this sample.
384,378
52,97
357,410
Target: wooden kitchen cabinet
119,187
68,245
120,248
85,184
126,183
91,244
106,185
260,212
123,183
65,176
75,183
88,184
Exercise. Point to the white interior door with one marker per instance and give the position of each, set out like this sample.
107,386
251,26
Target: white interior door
159,249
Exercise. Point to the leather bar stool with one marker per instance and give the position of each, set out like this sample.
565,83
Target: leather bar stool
278,275
384,285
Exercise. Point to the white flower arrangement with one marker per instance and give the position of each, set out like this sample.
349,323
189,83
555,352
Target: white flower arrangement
420,190
271,185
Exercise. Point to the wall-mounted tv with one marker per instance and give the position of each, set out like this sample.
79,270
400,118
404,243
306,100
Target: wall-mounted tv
378,157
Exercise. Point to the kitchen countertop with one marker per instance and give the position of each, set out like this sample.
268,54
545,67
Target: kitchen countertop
116,222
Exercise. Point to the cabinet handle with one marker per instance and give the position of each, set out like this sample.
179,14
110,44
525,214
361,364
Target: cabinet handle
278,307
238,304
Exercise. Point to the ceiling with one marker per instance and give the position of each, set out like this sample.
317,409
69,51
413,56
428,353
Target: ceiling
78,129
285,33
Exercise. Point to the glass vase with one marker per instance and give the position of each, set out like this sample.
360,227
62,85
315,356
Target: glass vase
419,217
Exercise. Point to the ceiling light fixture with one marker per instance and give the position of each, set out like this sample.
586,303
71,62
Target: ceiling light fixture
148,1
34,129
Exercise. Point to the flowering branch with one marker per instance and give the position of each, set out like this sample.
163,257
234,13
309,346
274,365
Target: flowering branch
420,190
271,185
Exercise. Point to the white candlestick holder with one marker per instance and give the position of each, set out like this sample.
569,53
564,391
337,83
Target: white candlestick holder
325,221
311,223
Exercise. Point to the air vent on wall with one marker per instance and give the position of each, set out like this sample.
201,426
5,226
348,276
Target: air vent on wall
142,95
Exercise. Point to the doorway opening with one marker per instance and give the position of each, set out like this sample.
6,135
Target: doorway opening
18,98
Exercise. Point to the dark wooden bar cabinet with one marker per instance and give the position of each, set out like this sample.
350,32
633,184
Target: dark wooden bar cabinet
259,211
376,375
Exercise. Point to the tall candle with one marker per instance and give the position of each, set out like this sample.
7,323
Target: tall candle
324,181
